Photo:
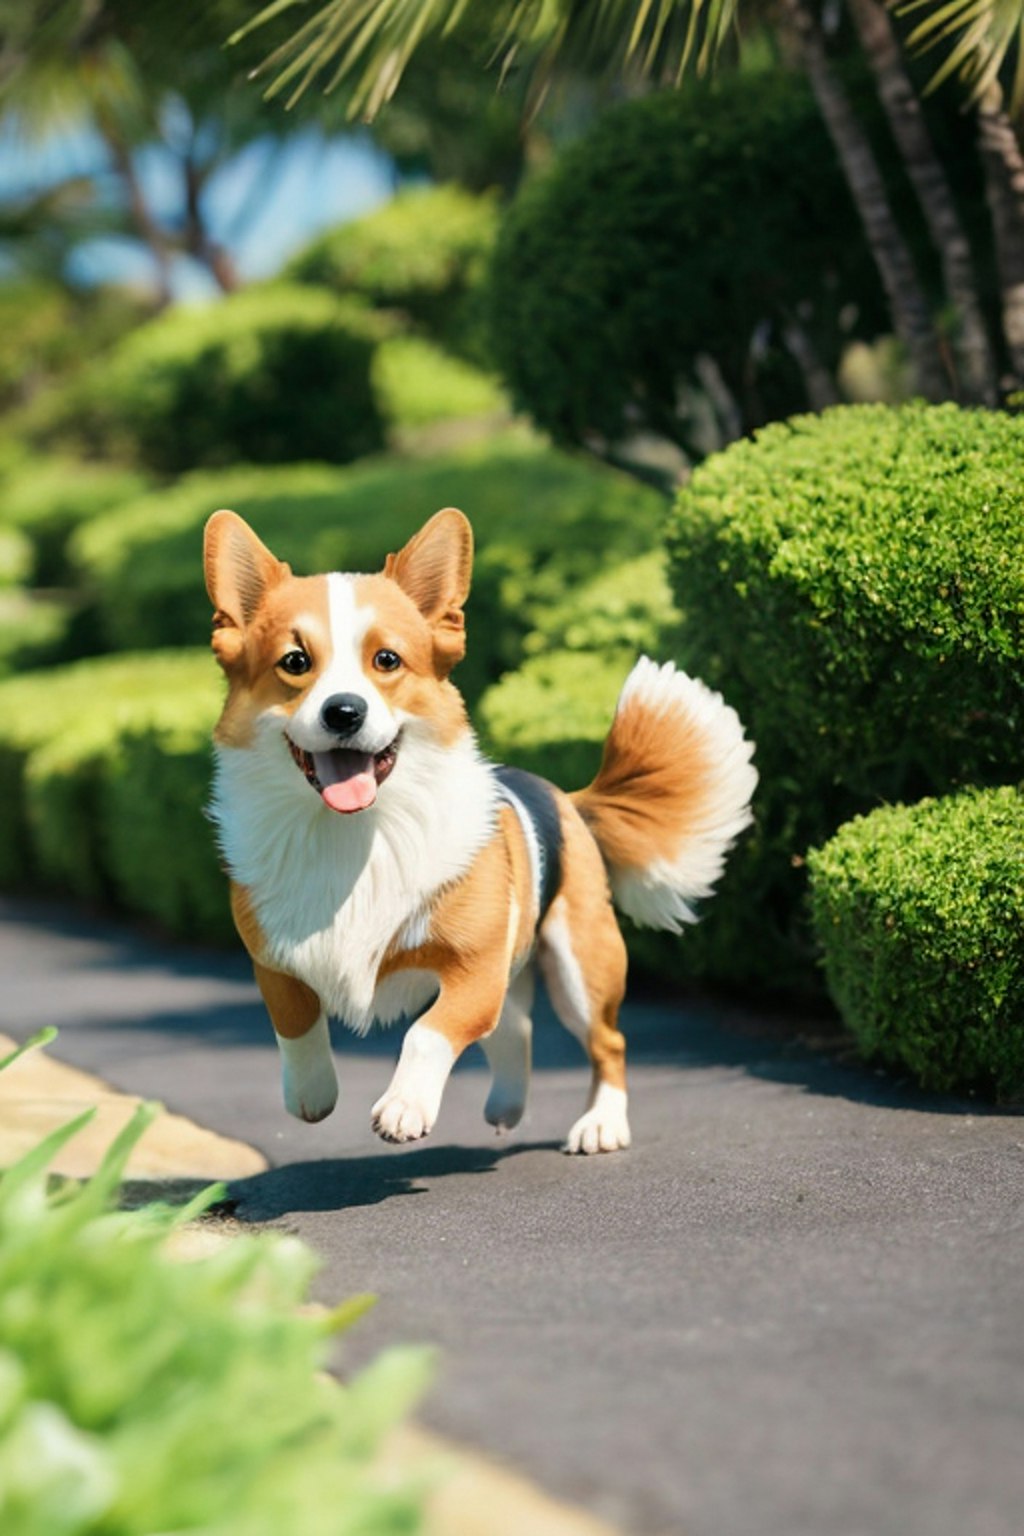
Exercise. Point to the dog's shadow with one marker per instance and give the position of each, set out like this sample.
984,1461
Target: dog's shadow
343,1183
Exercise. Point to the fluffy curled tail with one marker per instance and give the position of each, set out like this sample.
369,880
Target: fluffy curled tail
671,796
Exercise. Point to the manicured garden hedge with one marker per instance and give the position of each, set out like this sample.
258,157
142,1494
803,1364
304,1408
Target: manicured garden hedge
423,254
271,374
543,523
104,773
854,584
920,913
687,223
45,499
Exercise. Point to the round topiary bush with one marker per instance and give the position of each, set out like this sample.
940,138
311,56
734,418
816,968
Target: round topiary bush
270,375
854,584
686,224
919,911
423,254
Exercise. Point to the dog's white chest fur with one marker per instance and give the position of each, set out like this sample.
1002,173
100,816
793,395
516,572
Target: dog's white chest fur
333,894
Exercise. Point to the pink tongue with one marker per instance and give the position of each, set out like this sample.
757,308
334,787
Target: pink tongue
348,780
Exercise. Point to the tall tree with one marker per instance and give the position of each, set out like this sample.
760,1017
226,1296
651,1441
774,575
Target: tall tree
372,42
137,77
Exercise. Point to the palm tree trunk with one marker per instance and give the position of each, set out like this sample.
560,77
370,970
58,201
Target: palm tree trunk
907,302
1003,165
903,109
214,257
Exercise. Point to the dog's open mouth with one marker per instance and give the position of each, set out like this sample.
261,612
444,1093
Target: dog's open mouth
345,780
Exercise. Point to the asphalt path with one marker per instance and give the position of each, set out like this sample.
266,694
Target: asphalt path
794,1308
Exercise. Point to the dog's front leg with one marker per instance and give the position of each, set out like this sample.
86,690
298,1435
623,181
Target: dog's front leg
300,1026
467,1009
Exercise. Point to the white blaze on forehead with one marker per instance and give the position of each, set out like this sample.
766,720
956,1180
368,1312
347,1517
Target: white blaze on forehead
343,671
349,622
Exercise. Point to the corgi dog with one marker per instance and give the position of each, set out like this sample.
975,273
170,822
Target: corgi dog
381,868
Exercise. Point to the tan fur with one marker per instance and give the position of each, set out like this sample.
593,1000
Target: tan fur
651,786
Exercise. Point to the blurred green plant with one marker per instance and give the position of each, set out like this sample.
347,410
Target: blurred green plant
423,255
418,385
44,499
141,1393
918,911
269,375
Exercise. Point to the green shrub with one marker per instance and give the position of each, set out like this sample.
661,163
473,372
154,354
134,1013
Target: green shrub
46,499
35,630
683,224
47,332
422,254
272,374
543,522
142,1393
104,771
417,385
854,584
626,608
15,558
552,715
919,911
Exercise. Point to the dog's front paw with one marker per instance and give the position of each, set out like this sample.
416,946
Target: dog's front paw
604,1127
396,1118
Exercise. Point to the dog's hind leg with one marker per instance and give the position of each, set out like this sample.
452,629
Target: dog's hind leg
300,1026
507,1050
583,961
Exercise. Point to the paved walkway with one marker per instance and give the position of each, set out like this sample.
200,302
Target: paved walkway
795,1308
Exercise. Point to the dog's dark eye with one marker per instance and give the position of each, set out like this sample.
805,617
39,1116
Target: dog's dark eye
387,661
295,662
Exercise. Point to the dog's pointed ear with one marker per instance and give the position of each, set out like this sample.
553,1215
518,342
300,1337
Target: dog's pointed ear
434,569
240,570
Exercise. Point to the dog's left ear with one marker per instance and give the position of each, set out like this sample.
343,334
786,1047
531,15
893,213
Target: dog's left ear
434,569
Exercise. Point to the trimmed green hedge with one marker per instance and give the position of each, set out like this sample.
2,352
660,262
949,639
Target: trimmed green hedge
685,223
104,772
854,584
920,913
543,522
423,254
44,500
268,375
417,384
35,630
140,1392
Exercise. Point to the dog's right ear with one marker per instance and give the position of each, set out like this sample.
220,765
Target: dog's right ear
240,570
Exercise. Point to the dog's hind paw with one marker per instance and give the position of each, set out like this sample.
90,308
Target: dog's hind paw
604,1127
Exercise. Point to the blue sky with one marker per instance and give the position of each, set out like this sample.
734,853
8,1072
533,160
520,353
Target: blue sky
269,199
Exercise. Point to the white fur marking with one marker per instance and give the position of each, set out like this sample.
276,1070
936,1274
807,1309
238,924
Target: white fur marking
563,974
307,1073
660,894
349,622
605,1126
409,1108
332,892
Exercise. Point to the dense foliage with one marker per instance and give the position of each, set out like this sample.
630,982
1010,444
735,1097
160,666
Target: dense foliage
542,523
854,584
684,224
269,375
104,774
423,255
920,914
141,1393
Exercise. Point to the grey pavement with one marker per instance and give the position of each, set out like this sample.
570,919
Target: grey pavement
794,1308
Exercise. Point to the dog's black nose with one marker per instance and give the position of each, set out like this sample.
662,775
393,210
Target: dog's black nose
344,713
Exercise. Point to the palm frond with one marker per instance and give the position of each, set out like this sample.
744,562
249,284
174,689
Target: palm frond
981,36
371,42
